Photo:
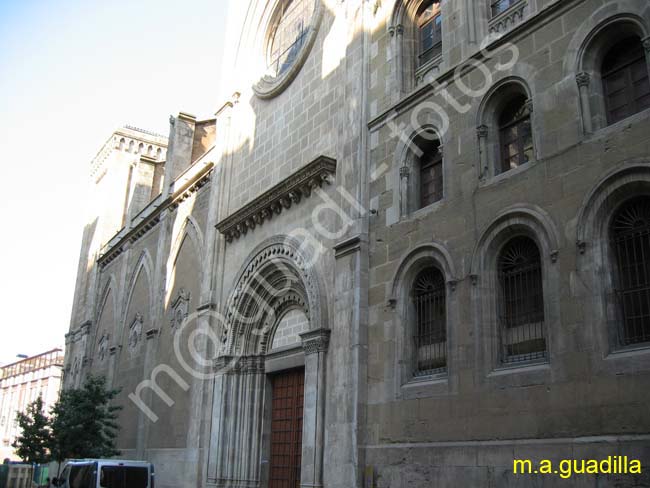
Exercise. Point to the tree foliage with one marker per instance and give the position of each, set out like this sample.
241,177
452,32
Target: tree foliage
84,423
33,443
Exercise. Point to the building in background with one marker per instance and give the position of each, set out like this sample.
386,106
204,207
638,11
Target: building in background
406,286
21,383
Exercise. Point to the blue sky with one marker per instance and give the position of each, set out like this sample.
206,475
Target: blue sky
70,73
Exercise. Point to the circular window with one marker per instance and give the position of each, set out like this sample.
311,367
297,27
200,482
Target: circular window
289,38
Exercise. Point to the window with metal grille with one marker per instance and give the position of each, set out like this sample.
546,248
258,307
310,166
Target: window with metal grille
429,301
289,34
430,176
630,241
626,83
430,32
499,6
521,302
516,135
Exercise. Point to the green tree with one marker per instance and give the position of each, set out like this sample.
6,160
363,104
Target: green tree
32,444
84,422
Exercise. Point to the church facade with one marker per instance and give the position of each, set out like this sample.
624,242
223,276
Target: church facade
412,248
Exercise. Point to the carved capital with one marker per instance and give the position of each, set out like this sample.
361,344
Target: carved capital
482,131
315,341
151,333
396,29
646,43
583,79
529,105
582,246
404,172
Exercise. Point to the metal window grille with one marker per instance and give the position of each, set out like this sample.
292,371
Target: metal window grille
431,179
289,35
521,302
630,236
430,28
500,6
626,83
516,135
429,301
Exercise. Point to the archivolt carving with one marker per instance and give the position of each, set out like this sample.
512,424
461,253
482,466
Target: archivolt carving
278,276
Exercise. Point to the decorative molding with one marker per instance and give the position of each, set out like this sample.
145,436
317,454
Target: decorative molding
135,331
482,131
102,348
509,18
280,197
113,350
583,79
396,29
180,309
315,341
152,333
239,364
347,246
554,255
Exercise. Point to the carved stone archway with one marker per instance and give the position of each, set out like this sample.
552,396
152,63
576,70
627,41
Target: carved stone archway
278,275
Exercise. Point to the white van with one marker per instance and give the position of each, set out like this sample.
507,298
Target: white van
105,473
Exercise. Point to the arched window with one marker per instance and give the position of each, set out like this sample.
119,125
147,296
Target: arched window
429,23
500,6
515,134
521,301
289,34
431,179
630,244
430,328
626,86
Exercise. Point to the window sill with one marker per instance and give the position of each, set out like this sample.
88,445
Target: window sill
493,180
424,211
618,126
629,352
425,386
518,368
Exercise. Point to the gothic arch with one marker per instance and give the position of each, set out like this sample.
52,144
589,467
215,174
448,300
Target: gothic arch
109,289
143,265
276,277
192,231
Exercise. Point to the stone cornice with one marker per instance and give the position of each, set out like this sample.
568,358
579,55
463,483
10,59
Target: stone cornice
151,215
282,196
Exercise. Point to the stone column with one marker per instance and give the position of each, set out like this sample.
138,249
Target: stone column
315,344
237,411
404,174
397,34
482,133
584,79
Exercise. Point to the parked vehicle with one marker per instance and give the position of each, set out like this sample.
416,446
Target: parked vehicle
105,473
